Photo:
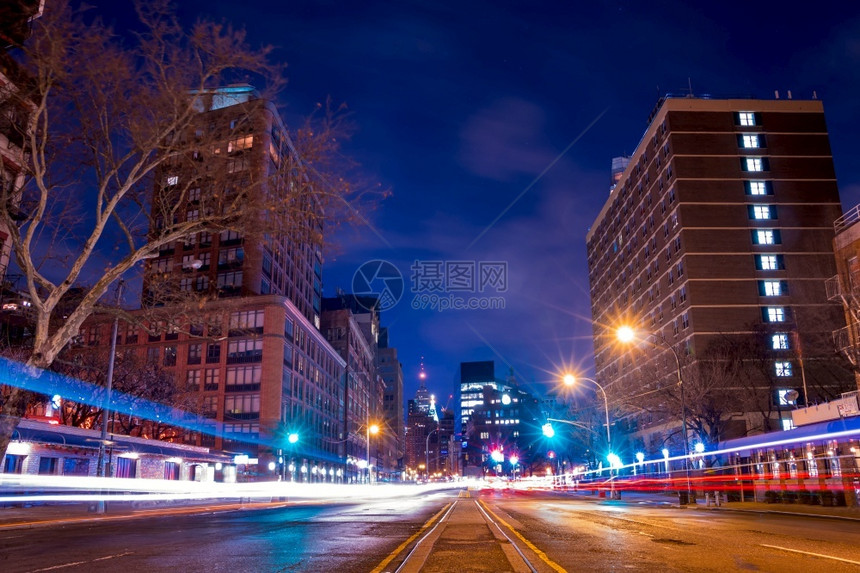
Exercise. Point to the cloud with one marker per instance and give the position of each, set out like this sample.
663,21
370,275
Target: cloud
505,140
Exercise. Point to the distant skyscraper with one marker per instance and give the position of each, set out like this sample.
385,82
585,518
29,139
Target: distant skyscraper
473,377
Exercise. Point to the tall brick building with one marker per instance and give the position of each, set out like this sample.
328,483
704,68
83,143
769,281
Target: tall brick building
252,356
718,234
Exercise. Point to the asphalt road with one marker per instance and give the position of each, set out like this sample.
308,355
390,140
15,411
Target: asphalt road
581,534
570,533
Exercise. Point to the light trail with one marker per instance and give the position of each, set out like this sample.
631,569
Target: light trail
17,488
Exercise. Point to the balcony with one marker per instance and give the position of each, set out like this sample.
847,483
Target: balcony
847,219
847,341
833,288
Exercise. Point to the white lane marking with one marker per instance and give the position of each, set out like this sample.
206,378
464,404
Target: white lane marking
811,553
64,565
72,564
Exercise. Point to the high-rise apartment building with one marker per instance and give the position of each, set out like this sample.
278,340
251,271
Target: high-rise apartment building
715,243
15,107
251,356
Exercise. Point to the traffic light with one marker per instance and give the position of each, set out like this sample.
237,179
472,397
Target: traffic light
548,430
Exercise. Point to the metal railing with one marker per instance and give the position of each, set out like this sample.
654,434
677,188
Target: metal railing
833,287
847,219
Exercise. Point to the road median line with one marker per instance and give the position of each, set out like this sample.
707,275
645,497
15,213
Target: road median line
543,556
379,568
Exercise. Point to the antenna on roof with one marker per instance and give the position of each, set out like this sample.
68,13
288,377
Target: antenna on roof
690,86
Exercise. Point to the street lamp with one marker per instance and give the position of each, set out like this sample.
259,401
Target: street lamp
627,334
427,451
571,380
371,429
100,507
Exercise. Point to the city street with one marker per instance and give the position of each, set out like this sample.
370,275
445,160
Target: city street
552,531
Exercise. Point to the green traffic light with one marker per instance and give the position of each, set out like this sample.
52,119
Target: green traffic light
548,430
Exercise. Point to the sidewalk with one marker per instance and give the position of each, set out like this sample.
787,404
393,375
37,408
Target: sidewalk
40,515
671,499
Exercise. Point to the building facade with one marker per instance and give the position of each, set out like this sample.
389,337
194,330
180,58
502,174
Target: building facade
715,242
391,371
353,335
235,317
844,287
473,377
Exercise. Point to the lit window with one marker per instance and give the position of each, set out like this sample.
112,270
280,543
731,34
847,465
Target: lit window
757,188
762,212
769,262
240,143
746,118
753,164
782,369
173,179
775,314
770,288
780,341
765,237
750,141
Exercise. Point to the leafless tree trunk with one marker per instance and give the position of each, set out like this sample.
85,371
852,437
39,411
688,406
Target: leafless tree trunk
108,116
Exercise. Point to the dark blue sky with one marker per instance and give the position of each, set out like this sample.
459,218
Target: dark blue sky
460,106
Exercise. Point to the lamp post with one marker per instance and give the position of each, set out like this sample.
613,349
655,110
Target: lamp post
570,380
371,429
626,334
427,451
100,507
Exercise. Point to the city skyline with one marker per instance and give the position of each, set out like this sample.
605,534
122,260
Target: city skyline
497,142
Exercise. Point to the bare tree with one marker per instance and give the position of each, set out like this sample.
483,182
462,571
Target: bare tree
108,116
136,382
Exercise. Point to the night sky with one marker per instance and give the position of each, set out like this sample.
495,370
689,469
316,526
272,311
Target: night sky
465,109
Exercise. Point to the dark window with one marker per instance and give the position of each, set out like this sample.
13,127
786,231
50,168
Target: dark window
213,353
170,356
13,464
47,466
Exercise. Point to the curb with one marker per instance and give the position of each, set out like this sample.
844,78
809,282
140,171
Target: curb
774,512
161,512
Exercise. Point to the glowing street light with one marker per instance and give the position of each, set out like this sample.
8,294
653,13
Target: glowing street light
371,429
571,380
293,438
627,334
